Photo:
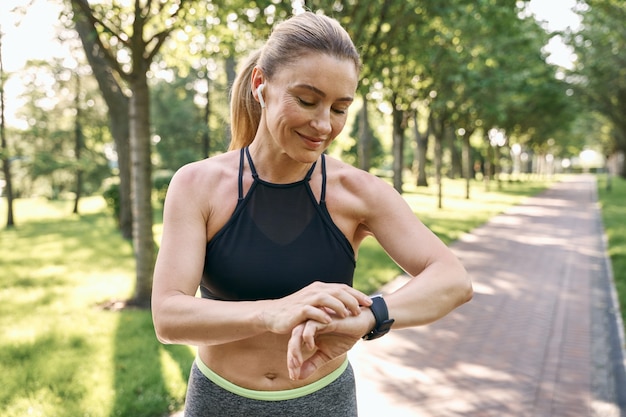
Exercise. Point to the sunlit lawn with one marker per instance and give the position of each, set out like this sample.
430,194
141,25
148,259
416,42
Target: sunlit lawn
62,354
613,204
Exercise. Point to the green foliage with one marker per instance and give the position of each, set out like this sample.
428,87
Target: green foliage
377,153
111,190
475,64
599,76
177,121
45,152
111,195
160,182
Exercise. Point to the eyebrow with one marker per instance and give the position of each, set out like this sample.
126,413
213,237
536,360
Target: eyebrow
321,93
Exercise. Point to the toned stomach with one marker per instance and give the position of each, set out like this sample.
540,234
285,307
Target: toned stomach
259,363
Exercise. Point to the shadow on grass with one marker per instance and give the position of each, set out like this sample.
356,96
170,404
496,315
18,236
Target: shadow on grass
55,274
150,379
42,371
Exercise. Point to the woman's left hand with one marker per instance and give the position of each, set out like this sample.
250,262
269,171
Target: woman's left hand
313,344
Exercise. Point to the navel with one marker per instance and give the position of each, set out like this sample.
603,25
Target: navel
271,376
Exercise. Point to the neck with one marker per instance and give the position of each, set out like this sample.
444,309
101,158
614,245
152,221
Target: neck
276,166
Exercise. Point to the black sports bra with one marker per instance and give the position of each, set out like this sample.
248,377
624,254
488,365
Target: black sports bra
278,240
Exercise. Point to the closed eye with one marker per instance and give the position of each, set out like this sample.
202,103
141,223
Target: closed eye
309,104
305,103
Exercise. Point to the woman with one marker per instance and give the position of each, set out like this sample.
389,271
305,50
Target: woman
269,231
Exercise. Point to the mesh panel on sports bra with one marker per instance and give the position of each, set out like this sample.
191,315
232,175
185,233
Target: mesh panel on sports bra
278,240
281,212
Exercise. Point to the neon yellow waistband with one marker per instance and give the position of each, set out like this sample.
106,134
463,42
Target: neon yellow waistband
271,395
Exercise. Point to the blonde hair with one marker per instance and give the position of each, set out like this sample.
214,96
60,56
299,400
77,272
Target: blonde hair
306,32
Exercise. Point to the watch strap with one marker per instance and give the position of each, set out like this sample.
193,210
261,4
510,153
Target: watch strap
381,315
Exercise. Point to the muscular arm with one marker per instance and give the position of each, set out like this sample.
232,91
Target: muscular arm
440,283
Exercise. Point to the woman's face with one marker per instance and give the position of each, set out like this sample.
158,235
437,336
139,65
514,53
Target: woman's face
307,104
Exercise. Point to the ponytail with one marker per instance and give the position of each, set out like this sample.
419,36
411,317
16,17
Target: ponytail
245,111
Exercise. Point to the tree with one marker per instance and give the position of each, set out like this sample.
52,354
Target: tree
178,123
129,39
78,147
117,103
47,146
599,76
4,148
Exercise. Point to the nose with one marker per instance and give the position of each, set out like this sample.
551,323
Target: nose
321,122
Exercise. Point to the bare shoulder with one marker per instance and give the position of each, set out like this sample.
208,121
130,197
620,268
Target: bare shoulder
207,172
356,181
203,184
359,192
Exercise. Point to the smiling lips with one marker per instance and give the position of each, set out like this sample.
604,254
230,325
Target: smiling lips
312,140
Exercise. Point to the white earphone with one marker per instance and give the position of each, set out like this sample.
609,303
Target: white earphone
259,92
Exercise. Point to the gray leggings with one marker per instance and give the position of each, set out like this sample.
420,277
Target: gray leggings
207,399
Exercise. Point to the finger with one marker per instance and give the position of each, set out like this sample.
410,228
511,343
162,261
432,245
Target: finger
352,300
353,304
335,304
294,352
311,329
316,314
312,364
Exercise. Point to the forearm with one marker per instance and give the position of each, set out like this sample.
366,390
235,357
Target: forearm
184,319
429,296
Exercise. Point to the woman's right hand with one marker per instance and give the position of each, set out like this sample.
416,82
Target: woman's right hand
318,301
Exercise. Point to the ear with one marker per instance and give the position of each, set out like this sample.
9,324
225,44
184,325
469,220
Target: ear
257,79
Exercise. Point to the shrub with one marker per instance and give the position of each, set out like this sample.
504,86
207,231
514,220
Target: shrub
160,182
111,194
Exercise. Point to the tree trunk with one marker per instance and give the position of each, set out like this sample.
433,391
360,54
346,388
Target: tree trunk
421,149
231,73
456,158
8,187
487,171
141,174
78,144
439,133
206,135
467,161
438,164
117,104
364,142
621,149
398,145
120,130
4,149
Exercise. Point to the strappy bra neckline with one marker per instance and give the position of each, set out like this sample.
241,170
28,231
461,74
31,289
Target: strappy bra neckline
256,177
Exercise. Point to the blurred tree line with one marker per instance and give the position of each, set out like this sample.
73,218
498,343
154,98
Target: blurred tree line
453,88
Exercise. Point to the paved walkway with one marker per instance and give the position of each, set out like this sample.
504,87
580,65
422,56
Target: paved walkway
540,338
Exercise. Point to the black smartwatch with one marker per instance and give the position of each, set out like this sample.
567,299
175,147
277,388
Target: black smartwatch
381,314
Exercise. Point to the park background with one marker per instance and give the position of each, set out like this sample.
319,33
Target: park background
465,107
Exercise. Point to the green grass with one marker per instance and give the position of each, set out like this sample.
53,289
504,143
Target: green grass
63,355
613,204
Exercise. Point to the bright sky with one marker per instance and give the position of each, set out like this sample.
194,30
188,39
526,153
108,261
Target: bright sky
34,37
25,37
558,15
